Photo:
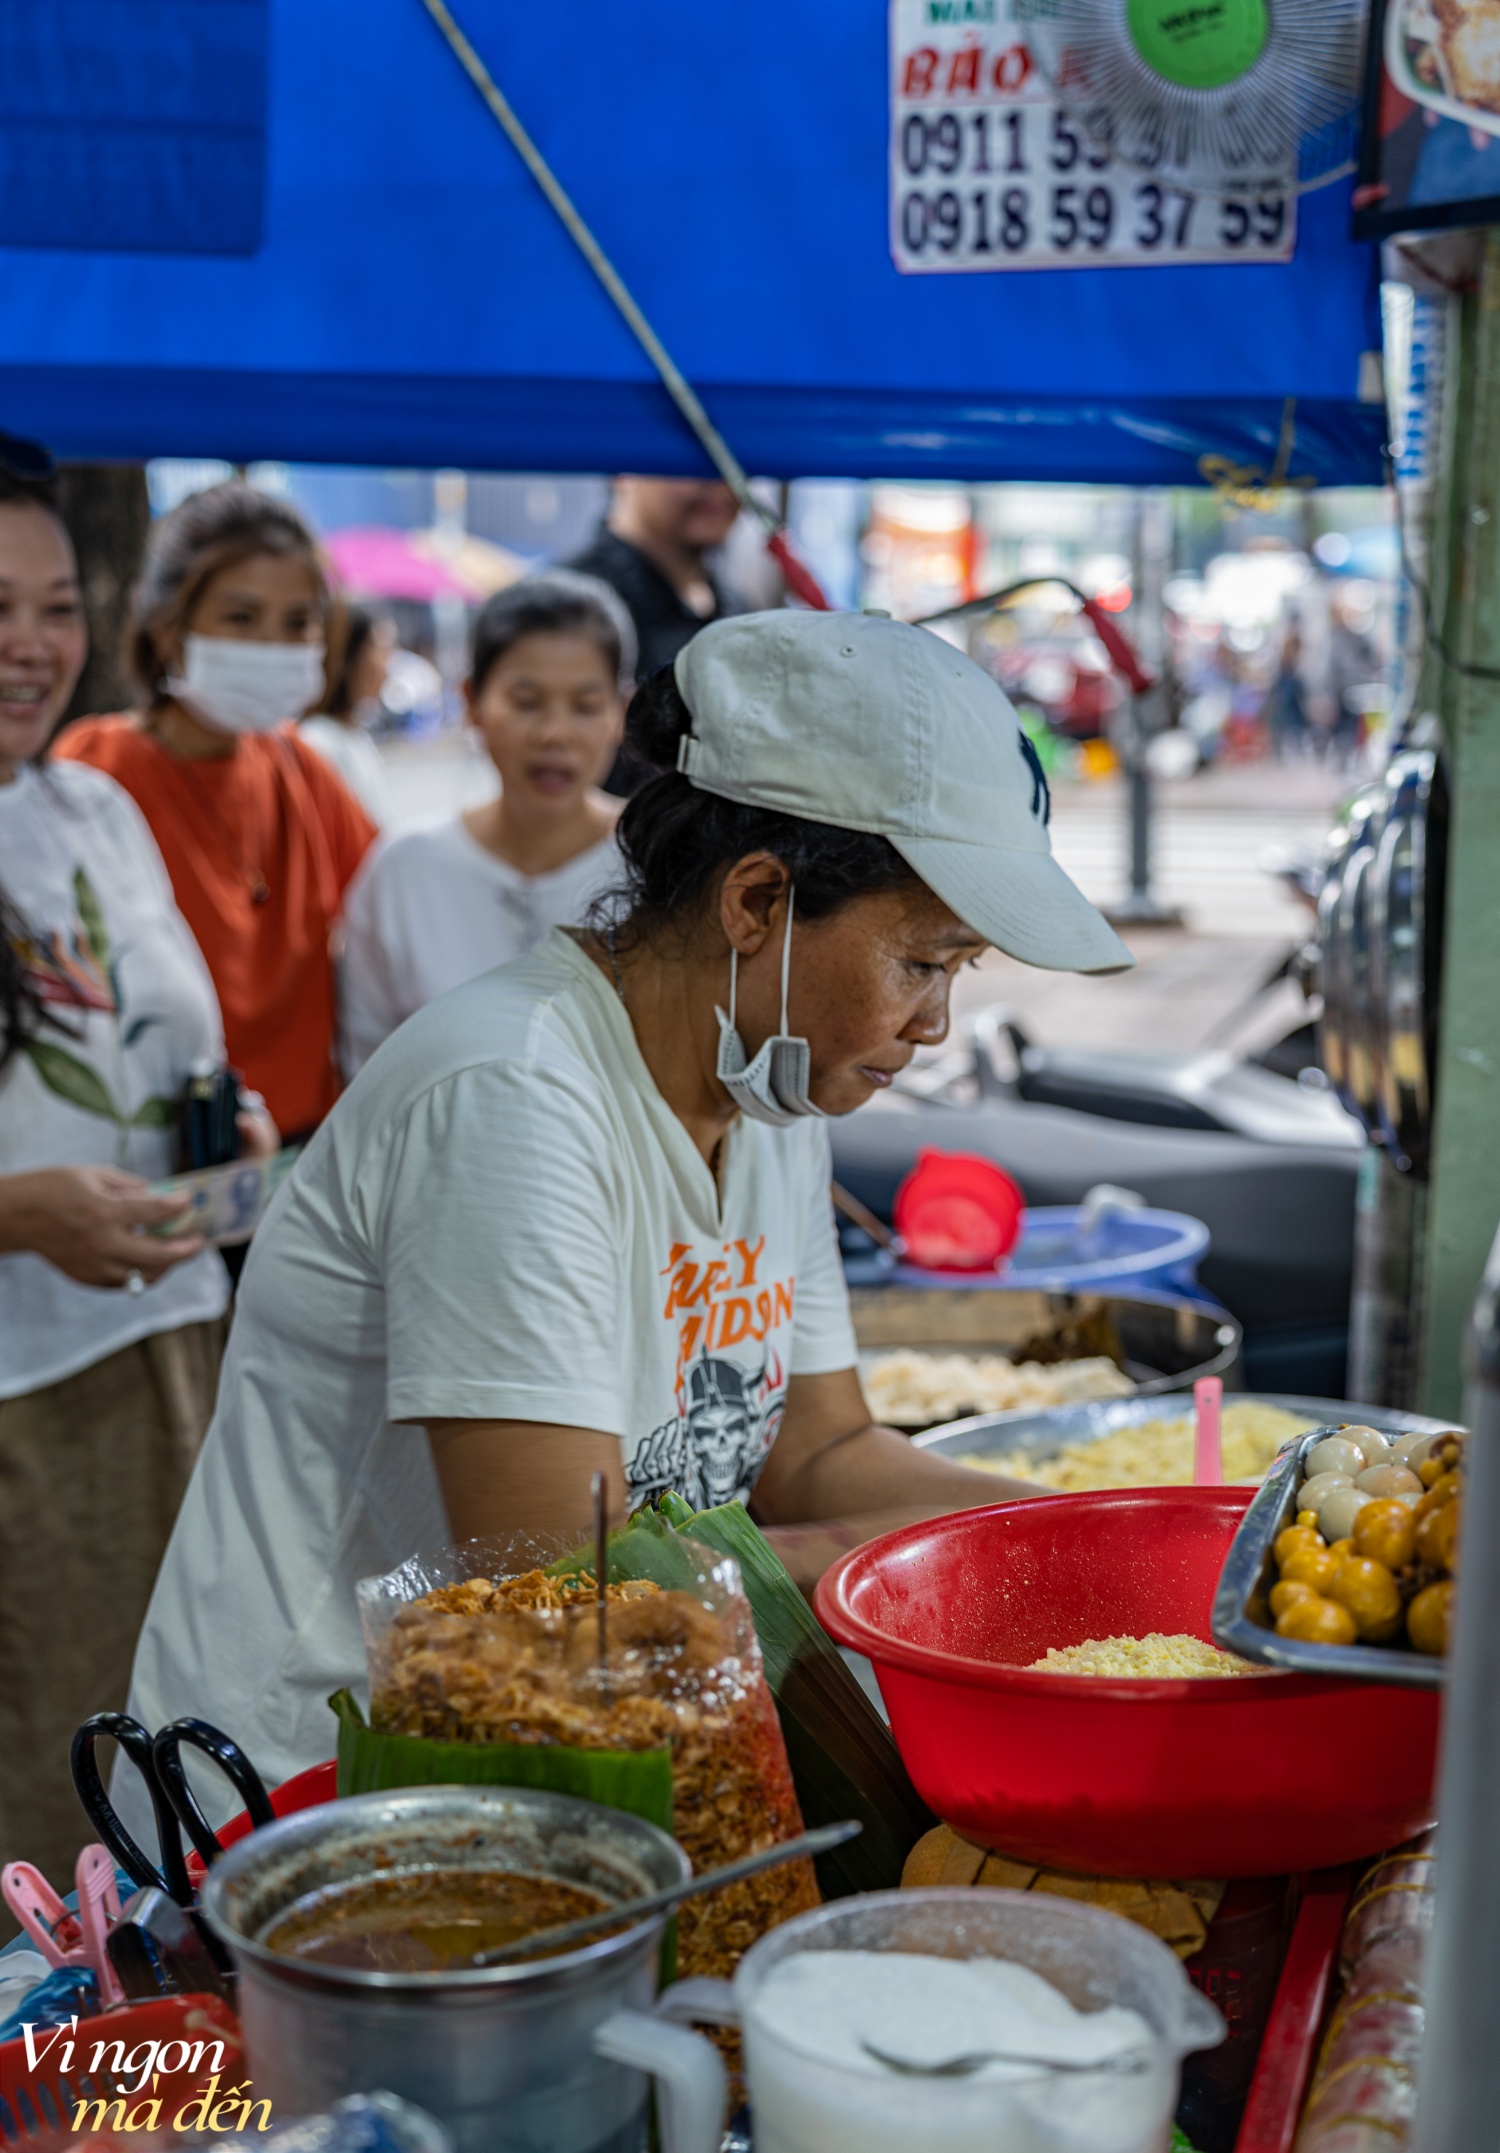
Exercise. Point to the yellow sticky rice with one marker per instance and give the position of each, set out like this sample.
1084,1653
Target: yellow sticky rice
1154,1658
1156,1453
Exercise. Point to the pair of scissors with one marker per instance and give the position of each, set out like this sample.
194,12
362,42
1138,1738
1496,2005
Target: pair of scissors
158,1759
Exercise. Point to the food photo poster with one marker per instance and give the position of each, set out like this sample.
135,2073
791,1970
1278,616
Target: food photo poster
1430,154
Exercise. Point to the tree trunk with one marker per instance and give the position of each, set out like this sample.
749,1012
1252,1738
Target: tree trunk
108,513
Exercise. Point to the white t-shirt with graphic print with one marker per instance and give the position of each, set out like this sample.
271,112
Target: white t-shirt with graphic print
502,1219
113,962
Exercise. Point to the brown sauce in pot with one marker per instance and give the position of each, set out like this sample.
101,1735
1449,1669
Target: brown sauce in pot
426,1922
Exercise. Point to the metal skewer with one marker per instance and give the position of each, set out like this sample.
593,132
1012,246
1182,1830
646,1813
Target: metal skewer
601,1565
630,1911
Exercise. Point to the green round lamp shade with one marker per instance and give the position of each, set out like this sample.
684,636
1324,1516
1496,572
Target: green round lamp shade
1198,44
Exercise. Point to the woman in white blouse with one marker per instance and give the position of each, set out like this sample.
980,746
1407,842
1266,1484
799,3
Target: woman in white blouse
109,1338
432,908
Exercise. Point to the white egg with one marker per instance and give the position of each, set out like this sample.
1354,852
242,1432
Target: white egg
1337,1512
1410,1450
1386,1480
1313,1490
1375,1447
1336,1456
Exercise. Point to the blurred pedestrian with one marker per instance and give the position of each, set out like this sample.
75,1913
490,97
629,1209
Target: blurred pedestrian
359,659
553,659
259,835
109,1337
652,548
1287,720
1353,668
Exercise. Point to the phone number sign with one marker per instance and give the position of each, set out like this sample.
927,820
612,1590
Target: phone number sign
987,171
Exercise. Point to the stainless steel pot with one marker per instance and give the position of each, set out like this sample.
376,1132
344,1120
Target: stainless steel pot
504,2056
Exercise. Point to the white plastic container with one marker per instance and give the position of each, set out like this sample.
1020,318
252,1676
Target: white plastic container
802,2102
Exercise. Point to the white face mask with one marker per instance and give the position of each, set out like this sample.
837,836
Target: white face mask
239,687
773,1087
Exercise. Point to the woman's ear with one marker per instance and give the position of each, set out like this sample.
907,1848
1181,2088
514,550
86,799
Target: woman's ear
168,653
751,896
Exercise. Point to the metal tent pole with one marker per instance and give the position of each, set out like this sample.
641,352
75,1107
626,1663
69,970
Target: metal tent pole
1458,2085
1465,675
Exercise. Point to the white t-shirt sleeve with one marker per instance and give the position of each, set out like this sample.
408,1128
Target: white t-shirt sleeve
822,1331
496,1223
369,1006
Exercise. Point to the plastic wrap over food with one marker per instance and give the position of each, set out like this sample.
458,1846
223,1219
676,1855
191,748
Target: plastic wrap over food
1395,1897
1392,1969
1363,2097
507,1642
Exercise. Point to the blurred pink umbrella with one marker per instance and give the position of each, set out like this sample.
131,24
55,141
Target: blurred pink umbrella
376,561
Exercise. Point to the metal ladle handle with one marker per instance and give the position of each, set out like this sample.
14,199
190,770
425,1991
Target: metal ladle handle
675,1895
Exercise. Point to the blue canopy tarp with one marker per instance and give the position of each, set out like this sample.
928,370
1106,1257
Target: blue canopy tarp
267,229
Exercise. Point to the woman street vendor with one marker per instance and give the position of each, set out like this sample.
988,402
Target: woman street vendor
574,1215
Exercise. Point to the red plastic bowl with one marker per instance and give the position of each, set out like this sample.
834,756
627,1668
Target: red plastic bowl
1251,1776
305,1790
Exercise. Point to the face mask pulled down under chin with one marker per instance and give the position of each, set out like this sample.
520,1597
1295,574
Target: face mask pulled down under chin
242,687
773,1087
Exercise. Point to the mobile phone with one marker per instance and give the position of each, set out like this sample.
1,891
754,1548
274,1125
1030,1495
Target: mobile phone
207,1130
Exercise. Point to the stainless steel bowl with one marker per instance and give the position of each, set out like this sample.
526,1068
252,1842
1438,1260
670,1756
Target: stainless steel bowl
1162,1343
502,2055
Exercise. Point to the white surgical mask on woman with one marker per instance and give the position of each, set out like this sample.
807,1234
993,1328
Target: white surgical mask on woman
772,1088
245,687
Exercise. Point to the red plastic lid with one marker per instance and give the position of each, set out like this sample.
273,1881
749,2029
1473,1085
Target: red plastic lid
958,1212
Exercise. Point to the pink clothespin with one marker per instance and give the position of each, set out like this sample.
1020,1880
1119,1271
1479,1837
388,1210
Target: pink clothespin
63,1937
56,1932
98,1911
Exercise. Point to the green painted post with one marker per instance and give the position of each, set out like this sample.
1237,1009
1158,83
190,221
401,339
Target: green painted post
1464,1206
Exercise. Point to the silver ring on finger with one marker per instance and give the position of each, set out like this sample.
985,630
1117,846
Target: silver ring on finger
134,1283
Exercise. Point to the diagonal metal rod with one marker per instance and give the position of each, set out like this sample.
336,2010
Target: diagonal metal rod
714,446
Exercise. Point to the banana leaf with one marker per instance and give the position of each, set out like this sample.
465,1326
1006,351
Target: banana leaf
637,1780
844,1763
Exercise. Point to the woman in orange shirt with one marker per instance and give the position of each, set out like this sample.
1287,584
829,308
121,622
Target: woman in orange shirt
259,835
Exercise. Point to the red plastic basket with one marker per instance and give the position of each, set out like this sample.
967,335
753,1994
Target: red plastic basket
1285,2062
1228,1778
39,2108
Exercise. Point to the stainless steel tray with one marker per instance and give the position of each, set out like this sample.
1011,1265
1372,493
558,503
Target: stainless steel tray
1249,1572
1040,1434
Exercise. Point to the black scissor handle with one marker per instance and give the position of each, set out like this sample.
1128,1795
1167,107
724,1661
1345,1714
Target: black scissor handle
231,1760
132,1737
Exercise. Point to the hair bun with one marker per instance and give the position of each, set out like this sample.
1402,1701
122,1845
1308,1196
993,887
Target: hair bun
658,720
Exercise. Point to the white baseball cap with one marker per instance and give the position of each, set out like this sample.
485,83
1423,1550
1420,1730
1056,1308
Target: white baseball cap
871,724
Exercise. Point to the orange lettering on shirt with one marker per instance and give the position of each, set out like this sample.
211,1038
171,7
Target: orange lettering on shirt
749,1259
762,1314
680,1294
715,1278
737,1321
783,1290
